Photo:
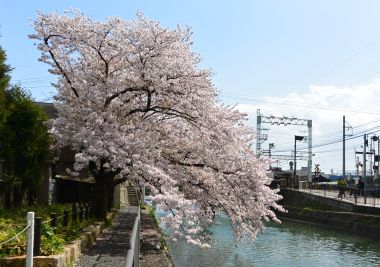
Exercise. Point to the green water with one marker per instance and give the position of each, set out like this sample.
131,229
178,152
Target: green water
288,244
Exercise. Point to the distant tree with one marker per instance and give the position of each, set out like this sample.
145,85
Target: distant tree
24,137
134,105
4,83
27,141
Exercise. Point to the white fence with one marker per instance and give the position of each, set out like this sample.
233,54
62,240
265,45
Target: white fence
133,255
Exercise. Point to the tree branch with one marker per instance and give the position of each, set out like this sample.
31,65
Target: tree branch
119,181
46,40
93,168
117,94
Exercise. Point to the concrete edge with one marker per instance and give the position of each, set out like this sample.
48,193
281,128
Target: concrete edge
161,236
354,223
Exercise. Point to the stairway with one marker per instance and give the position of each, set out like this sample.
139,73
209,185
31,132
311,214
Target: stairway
147,191
132,197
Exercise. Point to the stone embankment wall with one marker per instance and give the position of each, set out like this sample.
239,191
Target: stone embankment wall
331,213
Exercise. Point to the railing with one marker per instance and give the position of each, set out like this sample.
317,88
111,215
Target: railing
367,197
30,244
34,226
133,255
79,212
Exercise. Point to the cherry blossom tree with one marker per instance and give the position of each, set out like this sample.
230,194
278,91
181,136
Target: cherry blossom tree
134,105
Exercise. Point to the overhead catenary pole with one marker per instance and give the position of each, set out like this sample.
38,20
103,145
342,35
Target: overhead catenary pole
344,147
370,158
296,138
365,157
309,152
295,161
258,132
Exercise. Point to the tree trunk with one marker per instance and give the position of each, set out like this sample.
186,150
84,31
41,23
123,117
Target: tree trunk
104,194
104,188
19,193
100,199
110,195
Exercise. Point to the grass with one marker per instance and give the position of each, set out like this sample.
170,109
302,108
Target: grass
150,211
52,239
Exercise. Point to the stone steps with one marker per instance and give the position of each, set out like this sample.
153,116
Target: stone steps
132,196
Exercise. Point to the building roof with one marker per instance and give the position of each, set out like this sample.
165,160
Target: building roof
49,109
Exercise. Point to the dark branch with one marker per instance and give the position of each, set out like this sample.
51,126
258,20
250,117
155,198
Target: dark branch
46,40
93,168
117,94
119,181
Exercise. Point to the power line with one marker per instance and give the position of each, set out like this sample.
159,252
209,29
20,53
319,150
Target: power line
321,137
300,104
369,131
345,61
36,78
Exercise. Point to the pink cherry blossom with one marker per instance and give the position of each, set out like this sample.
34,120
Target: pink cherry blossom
135,106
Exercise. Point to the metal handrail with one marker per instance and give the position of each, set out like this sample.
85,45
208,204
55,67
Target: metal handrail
358,197
133,254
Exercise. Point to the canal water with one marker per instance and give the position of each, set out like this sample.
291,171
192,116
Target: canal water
288,244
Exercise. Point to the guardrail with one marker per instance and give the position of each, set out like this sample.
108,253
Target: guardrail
133,255
352,194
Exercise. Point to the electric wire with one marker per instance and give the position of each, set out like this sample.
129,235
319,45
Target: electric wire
300,104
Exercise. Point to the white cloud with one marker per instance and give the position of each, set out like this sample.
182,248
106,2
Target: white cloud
325,106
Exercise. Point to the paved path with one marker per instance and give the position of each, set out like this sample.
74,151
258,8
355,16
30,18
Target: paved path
152,252
110,248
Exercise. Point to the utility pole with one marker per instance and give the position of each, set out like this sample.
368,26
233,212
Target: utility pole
344,147
365,158
309,152
370,159
296,138
375,167
346,126
378,157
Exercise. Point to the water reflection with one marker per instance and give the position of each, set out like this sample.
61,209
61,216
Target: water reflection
289,244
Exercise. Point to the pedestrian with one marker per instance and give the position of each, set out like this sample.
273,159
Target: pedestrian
342,187
352,186
361,187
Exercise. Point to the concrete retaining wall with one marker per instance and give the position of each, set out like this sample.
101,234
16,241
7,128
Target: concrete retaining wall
302,199
363,224
341,216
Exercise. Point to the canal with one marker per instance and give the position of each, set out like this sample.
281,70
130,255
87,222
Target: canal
288,244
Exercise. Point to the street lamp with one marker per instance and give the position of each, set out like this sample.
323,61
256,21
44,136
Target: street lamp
271,145
376,138
296,138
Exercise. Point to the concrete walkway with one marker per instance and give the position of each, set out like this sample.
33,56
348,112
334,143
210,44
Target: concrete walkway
360,200
110,248
152,252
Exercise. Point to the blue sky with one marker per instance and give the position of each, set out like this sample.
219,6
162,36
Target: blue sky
259,50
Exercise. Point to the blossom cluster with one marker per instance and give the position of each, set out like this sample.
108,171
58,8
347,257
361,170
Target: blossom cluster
131,97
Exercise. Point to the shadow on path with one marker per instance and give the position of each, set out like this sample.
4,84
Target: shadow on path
111,247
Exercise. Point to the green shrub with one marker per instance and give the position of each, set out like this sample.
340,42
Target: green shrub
52,239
